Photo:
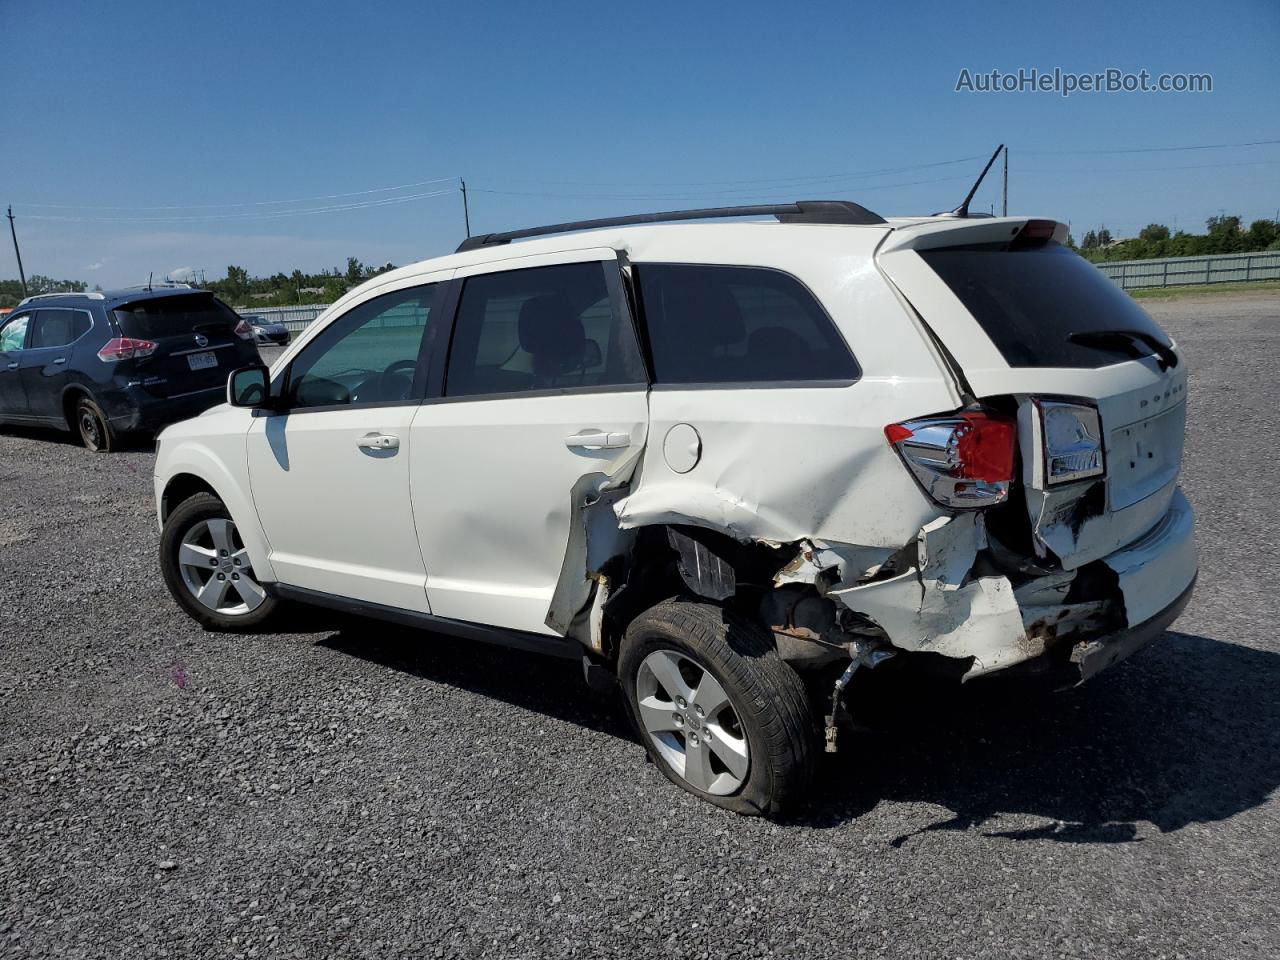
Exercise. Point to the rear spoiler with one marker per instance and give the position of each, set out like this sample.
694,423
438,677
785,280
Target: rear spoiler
951,232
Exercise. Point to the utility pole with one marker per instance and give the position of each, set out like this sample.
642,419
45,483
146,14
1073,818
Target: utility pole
466,212
18,253
1006,182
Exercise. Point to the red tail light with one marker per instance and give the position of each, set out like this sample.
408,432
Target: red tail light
126,348
961,459
244,330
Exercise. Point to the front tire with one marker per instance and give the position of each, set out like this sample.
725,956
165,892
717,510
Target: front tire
206,568
93,428
721,714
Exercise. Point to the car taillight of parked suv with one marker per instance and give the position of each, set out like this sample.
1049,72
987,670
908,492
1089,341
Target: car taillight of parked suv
105,364
727,464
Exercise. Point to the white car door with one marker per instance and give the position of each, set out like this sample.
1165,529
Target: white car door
329,470
545,385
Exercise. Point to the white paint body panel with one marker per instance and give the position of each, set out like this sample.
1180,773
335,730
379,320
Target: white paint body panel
338,516
491,483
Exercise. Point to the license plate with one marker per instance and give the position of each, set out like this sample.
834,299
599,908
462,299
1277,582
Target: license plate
202,361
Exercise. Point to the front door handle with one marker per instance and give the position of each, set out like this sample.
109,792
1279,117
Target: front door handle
60,361
378,441
11,366
599,440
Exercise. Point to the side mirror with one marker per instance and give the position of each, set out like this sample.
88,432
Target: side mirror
249,386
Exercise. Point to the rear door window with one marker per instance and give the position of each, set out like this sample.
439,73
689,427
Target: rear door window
544,328
14,333
57,328
720,324
1046,306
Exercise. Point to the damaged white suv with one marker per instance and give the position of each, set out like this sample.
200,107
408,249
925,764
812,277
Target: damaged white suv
729,462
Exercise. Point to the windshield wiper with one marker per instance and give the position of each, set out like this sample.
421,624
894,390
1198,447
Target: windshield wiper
1164,353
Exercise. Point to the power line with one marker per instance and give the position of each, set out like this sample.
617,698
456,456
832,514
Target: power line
249,203
1202,146
650,196
248,216
763,180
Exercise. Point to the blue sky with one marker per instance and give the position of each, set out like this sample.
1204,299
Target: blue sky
574,110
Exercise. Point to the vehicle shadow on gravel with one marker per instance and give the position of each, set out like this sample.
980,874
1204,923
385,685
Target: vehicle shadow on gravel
547,685
1186,732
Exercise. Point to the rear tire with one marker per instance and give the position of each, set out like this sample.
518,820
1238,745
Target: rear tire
755,753
206,568
93,427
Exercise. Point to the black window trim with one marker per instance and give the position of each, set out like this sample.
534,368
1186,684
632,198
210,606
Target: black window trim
422,376
739,384
612,268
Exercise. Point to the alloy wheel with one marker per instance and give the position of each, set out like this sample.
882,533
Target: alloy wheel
692,722
215,568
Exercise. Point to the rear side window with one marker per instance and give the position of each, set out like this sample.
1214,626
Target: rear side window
712,324
57,328
545,328
1045,306
174,316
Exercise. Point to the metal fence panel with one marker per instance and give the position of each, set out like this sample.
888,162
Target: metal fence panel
1181,271
295,319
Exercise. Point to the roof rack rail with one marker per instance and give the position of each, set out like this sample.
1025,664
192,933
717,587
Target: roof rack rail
165,284
802,211
92,295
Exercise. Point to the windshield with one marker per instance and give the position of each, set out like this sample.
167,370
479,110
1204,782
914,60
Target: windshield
1044,306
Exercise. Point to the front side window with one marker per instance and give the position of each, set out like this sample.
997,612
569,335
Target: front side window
57,328
715,324
13,334
544,328
369,356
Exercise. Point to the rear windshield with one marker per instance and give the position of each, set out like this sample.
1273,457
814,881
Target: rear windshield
1032,301
173,316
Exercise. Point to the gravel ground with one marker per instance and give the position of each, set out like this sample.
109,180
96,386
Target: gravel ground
355,790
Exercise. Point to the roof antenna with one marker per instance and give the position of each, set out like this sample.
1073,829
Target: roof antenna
963,209
153,273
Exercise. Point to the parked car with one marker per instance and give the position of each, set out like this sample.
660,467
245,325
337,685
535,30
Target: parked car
728,463
104,364
268,331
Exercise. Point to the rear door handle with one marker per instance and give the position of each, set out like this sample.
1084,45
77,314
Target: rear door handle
60,361
378,441
598,439
11,366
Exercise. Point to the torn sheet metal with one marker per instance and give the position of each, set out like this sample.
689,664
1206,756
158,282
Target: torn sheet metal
937,606
594,537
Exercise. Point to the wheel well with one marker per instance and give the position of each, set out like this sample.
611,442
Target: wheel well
661,565
70,397
182,487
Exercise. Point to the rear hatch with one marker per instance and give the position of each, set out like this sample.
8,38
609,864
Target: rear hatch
196,344
1023,317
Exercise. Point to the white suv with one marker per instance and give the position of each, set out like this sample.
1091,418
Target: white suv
728,462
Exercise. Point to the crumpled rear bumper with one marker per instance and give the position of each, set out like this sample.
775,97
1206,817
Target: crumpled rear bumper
1093,656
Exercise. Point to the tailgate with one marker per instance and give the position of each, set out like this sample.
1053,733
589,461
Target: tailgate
196,343
1026,318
